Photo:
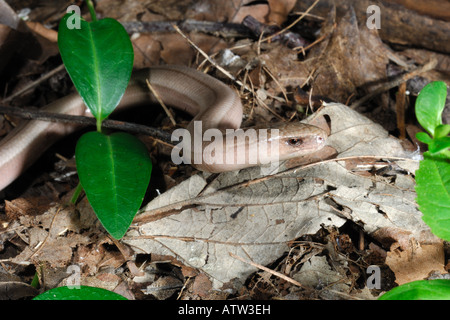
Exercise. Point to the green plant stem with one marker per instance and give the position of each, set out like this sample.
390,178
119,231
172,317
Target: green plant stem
99,125
76,194
91,10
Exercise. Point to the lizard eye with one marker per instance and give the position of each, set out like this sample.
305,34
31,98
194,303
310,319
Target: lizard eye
295,142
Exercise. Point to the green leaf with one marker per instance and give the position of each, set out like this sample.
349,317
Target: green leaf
423,137
439,144
429,105
420,290
114,171
99,59
81,293
442,130
433,193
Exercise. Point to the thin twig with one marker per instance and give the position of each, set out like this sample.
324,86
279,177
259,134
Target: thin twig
283,91
161,102
34,83
400,110
288,279
275,273
30,114
262,104
320,39
292,24
221,29
225,72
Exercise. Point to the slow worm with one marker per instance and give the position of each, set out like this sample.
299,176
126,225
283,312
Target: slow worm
212,104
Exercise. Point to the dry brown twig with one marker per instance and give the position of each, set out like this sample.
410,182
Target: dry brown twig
292,24
34,83
30,114
161,102
273,272
288,279
207,57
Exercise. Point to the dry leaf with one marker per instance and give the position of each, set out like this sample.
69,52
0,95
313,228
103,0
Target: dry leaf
417,262
164,287
348,61
15,290
48,238
201,286
105,280
254,216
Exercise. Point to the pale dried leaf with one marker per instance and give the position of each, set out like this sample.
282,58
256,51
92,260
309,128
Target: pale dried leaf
417,262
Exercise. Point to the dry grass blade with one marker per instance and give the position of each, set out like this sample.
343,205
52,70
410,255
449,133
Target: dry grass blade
275,273
292,24
34,83
155,93
207,57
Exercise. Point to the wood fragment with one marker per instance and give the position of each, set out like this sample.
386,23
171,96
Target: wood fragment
400,110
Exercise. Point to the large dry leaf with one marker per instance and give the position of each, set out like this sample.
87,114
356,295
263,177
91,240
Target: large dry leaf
255,216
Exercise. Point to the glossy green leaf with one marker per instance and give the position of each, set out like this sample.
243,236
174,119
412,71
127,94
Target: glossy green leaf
81,293
442,130
429,105
423,137
114,171
439,144
99,59
420,290
433,193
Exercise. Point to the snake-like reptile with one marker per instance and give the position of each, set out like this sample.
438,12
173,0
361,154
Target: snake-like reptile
207,99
